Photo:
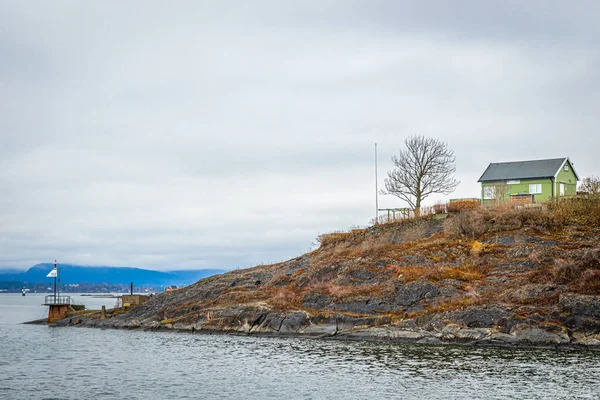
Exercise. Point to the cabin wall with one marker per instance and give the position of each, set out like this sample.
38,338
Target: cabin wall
517,188
569,179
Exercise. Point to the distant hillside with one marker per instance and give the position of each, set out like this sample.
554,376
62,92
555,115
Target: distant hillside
103,274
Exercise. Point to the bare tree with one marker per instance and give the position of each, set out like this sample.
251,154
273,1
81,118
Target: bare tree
590,186
501,190
425,167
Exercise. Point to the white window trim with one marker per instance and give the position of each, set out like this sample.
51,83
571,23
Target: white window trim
535,189
513,182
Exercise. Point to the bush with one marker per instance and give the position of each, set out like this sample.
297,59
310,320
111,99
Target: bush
507,218
581,275
476,222
471,224
462,205
590,187
577,210
589,283
440,208
333,238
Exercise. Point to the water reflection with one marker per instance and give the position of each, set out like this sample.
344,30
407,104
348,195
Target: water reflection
112,364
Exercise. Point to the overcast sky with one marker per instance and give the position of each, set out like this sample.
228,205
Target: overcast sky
213,134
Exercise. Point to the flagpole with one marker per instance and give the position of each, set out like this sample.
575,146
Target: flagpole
376,195
55,281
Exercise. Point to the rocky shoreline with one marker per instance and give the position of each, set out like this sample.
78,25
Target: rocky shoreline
481,326
520,282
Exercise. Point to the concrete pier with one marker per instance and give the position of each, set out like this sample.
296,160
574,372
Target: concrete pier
59,307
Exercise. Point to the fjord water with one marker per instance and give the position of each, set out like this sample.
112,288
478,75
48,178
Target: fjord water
38,362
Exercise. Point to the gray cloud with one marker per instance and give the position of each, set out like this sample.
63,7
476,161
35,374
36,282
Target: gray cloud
206,134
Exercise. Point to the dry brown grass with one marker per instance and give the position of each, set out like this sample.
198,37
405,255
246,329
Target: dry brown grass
346,293
380,247
437,273
580,275
450,305
287,297
333,238
540,275
470,224
578,210
414,232
474,223
588,283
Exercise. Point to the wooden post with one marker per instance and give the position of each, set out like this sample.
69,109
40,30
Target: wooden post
103,314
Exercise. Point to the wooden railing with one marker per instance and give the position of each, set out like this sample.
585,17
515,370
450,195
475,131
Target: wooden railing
57,300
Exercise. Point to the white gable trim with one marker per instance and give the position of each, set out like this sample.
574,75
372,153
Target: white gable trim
563,165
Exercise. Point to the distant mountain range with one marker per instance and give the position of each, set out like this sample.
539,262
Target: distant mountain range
104,274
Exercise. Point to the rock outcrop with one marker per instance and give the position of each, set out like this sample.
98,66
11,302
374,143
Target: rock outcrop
415,281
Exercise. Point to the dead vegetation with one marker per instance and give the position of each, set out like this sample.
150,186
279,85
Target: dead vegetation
580,273
436,273
489,256
553,215
462,205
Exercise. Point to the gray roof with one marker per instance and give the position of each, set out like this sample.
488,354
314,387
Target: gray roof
522,170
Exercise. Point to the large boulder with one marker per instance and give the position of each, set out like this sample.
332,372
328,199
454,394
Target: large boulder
479,316
541,334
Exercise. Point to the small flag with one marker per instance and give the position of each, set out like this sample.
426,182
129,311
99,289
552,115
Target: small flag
52,273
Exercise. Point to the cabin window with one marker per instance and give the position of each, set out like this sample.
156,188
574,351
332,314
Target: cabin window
535,188
513,182
489,192
566,167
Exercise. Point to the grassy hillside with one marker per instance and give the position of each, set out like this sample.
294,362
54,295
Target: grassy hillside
506,271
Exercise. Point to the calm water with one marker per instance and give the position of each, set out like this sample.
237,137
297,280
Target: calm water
37,362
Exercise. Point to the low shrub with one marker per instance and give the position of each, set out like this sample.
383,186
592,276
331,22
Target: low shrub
508,218
588,283
333,238
581,275
577,210
440,208
540,275
414,232
474,223
462,205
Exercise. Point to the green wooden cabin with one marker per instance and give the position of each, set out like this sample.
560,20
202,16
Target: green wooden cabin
531,181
